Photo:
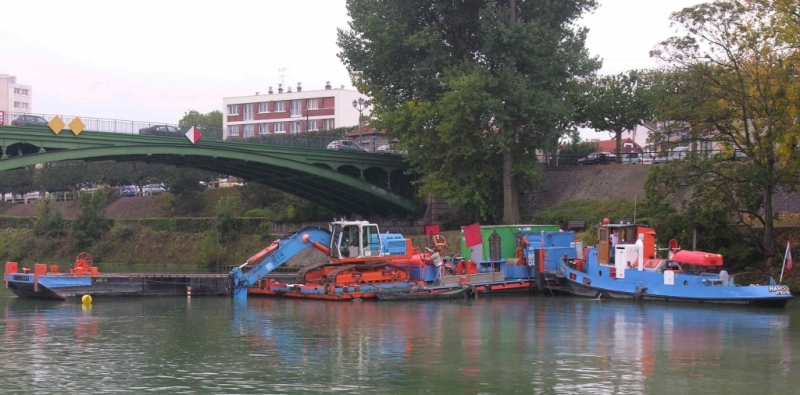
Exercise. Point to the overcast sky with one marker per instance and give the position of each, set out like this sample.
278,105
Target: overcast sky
151,60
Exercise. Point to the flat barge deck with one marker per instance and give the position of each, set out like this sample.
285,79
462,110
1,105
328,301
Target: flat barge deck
65,286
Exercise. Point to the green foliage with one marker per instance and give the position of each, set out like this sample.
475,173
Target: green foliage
591,211
184,185
90,223
212,252
17,222
18,181
732,83
49,221
210,124
615,103
468,89
225,224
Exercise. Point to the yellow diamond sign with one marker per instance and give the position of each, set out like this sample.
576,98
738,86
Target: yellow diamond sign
76,126
56,124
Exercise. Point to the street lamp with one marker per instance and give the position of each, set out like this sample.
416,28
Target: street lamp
359,105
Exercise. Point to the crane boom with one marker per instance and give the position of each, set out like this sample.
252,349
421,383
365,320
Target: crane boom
273,257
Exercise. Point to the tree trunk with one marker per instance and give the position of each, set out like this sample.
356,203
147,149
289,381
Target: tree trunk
619,145
769,220
510,190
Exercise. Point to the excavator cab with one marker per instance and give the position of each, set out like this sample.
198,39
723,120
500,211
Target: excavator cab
354,239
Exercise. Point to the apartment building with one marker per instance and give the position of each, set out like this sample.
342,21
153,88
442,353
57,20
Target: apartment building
14,98
285,111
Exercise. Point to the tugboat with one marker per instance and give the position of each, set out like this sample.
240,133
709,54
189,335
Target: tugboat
629,269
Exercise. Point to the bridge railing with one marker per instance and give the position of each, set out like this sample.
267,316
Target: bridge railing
307,140
95,124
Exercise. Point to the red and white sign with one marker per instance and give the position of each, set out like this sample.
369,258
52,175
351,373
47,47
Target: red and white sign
193,134
2,118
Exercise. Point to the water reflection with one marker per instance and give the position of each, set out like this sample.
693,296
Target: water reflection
499,345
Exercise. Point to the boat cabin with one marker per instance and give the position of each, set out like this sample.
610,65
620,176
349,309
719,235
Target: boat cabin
618,241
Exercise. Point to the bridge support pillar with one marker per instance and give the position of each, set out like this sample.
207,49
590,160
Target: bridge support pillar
5,153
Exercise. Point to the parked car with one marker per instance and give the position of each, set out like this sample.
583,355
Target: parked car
676,154
162,130
30,120
345,145
596,158
637,158
127,191
152,190
384,149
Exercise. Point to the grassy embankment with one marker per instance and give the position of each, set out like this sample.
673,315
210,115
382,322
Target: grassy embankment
146,234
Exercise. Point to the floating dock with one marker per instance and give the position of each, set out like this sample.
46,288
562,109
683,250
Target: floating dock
44,284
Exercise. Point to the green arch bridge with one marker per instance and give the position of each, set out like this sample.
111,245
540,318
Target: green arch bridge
345,182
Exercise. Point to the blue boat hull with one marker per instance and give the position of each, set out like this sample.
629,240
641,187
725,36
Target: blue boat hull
600,281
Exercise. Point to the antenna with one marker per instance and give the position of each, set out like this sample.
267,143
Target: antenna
282,74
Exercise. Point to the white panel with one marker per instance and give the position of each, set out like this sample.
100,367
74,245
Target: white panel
669,277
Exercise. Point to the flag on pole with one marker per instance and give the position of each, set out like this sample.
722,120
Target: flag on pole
787,259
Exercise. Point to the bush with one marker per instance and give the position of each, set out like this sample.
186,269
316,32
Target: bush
49,221
90,224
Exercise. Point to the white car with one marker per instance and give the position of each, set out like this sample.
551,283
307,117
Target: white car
637,158
152,190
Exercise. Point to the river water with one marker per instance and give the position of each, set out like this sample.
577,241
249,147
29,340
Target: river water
501,345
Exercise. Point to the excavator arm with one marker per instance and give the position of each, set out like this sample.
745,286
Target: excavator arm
274,256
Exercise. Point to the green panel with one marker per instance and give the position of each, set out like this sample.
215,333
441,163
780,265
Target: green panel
508,238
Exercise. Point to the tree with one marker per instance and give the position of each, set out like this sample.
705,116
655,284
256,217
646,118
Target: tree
17,181
90,223
210,124
732,81
472,89
616,103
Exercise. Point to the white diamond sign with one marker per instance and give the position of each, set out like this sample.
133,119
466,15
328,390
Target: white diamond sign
193,134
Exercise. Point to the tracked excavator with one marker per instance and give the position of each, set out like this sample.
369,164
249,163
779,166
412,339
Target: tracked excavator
360,260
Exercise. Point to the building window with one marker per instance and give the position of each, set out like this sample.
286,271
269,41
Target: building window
233,130
263,107
248,112
20,92
297,108
313,125
263,128
20,105
328,124
279,106
233,109
280,127
295,127
249,130
313,104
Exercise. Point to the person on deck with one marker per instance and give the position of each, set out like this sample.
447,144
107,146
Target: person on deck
614,239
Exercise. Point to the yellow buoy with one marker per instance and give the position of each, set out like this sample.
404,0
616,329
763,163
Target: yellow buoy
86,299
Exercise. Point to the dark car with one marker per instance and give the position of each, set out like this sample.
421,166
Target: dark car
597,158
346,145
127,191
29,120
162,130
